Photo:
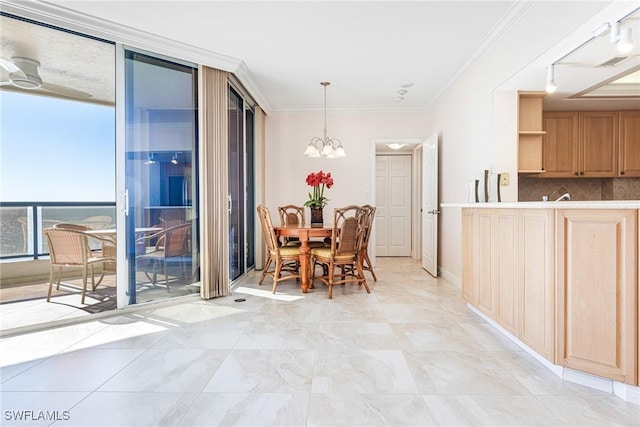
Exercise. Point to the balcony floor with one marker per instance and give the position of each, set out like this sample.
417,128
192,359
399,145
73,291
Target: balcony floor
26,304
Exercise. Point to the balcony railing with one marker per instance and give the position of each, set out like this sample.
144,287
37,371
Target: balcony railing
21,224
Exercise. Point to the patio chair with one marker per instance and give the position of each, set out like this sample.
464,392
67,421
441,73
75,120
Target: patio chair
70,249
107,244
283,258
172,246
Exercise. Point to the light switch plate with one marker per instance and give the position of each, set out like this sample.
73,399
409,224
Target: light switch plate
504,179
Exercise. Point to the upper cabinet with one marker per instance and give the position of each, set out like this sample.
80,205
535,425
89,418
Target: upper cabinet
601,144
560,144
530,132
598,144
629,143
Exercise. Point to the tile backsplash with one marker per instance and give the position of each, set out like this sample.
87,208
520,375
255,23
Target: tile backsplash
532,189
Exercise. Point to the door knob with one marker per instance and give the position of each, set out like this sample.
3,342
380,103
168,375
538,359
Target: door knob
434,212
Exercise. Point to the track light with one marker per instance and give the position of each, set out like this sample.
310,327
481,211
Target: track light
551,84
174,159
622,37
151,160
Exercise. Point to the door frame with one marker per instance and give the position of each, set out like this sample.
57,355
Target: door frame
416,190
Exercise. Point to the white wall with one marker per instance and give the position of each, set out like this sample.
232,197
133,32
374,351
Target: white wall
464,115
287,135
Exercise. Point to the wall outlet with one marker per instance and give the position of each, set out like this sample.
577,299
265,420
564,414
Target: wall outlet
504,179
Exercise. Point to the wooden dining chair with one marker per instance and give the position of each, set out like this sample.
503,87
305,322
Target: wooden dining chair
344,253
367,265
291,215
70,249
284,258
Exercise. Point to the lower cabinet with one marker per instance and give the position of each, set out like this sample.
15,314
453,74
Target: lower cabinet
564,282
596,296
507,271
469,252
536,326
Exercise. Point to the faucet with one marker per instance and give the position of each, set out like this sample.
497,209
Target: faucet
565,196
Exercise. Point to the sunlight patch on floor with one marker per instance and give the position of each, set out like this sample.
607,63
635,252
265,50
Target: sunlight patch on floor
267,294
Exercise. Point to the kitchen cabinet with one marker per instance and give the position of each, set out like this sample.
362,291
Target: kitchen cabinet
508,271
596,292
629,141
485,290
560,144
536,299
530,132
469,251
598,144
581,144
504,267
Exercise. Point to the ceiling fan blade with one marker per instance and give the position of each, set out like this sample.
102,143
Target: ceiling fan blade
65,91
8,65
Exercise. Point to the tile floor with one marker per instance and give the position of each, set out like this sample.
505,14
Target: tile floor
408,354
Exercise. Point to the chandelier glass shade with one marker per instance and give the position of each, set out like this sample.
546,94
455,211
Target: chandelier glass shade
331,148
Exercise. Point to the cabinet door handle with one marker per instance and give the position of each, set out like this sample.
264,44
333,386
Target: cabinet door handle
581,173
576,173
621,172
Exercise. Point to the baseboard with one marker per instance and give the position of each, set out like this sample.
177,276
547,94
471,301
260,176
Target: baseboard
451,278
626,392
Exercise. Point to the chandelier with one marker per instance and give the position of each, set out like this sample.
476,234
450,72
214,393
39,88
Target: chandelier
331,148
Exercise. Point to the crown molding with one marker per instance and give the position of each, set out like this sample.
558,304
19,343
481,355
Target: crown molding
356,109
509,19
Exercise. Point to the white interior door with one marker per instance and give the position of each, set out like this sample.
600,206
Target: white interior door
430,209
393,206
381,224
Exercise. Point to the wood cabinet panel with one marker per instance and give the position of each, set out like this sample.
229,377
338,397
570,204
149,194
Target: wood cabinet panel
598,136
560,144
596,292
503,258
536,300
507,271
469,228
485,290
629,143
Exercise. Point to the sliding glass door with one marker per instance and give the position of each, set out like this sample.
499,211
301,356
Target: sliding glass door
161,197
241,205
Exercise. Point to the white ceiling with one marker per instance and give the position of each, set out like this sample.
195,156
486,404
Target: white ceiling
367,50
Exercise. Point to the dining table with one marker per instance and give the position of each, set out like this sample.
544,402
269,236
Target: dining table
303,232
110,233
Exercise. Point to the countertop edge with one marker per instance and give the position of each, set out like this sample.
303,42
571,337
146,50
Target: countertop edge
597,204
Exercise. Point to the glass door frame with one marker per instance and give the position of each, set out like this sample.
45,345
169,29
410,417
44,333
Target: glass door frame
247,203
123,270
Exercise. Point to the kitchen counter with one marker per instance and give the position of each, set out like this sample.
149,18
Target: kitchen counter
565,204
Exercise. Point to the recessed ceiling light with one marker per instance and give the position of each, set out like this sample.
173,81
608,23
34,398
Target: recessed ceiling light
395,146
398,98
402,91
407,85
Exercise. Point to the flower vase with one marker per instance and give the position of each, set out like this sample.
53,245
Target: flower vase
316,217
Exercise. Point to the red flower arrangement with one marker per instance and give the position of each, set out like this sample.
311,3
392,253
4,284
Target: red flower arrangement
318,181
